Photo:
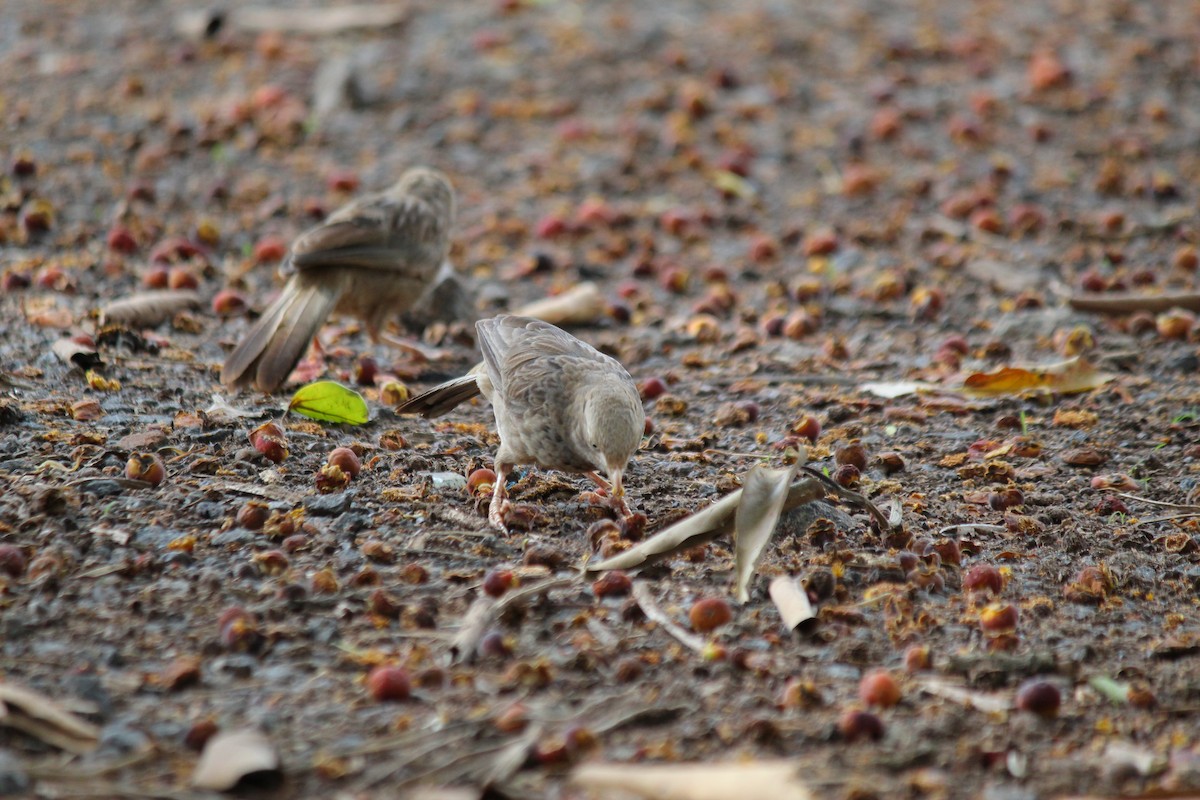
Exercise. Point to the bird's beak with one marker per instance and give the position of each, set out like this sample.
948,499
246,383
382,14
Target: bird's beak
617,477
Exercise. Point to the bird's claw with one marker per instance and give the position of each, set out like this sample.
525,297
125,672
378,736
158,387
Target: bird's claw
498,515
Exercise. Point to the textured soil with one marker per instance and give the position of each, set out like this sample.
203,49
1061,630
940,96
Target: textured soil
779,203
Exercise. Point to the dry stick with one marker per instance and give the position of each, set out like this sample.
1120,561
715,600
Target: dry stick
486,610
854,498
1180,506
971,527
1126,302
109,790
394,742
504,748
59,773
1168,518
384,771
641,593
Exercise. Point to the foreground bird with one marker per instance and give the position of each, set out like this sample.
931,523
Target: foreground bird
559,403
371,259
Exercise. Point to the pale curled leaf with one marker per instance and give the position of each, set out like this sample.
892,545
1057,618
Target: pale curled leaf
76,354
578,306
778,780
230,757
983,701
795,609
1121,755
43,718
763,495
147,309
221,409
329,401
890,390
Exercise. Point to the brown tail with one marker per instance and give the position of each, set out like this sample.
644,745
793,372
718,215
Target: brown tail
272,348
440,399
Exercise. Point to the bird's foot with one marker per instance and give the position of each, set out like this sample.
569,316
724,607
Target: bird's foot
604,498
619,505
311,368
414,349
498,513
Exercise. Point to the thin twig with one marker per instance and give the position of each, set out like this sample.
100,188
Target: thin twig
1126,303
1181,506
641,593
1168,518
389,769
60,773
854,498
967,527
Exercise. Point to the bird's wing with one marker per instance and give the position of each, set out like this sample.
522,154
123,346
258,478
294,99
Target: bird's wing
402,225
509,343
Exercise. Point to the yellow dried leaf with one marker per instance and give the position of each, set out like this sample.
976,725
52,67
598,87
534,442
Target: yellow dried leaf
1068,377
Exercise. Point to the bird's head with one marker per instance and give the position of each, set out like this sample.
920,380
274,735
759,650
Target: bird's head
613,424
433,187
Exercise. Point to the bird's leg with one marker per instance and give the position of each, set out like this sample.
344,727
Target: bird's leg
500,507
410,347
312,366
616,490
600,480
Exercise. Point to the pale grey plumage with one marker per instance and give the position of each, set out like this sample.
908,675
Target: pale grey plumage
558,402
371,259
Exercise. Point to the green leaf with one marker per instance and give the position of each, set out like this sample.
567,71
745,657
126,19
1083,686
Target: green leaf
329,401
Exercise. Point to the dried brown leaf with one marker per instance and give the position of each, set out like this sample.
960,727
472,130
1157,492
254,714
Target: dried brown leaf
147,309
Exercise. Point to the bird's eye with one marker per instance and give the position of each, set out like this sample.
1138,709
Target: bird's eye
595,446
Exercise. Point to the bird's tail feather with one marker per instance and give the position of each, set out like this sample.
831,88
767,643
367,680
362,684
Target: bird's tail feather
275,344
443,398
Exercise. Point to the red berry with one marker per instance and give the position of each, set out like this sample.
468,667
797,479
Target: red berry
855,725
709,614
228,303
652,388
498,581
345,459
388,683
120,240
269,250
879,688
612,584
1039,697
998,619
983,578
12,560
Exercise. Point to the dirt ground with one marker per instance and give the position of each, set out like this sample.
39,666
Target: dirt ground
780,203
